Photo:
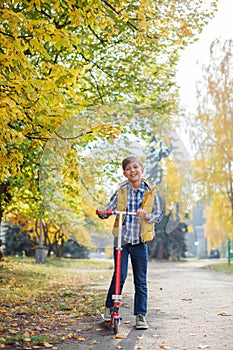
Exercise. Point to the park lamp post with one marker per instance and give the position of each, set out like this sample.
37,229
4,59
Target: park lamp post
41,250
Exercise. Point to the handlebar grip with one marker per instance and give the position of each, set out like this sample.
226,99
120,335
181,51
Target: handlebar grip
108,212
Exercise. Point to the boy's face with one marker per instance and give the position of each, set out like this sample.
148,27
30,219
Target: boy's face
133,171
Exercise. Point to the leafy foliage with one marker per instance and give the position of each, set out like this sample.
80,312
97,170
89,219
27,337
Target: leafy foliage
18,242
74,250
59,57
213,140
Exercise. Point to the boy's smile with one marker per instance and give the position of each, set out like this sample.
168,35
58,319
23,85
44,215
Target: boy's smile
133,173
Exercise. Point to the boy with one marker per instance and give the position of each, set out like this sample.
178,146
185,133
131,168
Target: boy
134,195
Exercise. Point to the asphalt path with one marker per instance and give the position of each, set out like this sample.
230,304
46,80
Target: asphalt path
190,307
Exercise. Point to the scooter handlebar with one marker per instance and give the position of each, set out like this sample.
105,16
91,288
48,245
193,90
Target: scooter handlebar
108,212
111,212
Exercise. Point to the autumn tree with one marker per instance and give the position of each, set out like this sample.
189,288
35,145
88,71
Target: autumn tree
217,224
59,57
212,132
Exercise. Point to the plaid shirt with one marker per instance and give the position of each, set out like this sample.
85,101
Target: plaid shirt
131,228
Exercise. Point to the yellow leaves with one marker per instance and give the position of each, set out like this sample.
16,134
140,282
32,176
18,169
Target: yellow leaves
33,3
185,29
50,28
142,19
12,17
119,336
146,6
35,44
61,39
81,339
179,41
47,61
165,33
140,39
218,220
107,130
161,346
7,101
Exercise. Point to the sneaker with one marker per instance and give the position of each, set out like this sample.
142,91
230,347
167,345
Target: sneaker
141,322
107,314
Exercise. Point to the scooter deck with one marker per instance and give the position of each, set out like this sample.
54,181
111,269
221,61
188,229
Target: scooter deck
108,323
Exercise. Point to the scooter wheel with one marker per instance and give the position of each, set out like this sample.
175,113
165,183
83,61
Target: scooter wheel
115,326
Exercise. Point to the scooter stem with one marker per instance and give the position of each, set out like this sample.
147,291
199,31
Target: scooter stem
118,257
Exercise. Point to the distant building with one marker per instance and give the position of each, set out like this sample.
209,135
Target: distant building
197,244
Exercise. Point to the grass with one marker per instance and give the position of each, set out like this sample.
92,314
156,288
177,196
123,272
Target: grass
40,301
222,267
22,278
85,264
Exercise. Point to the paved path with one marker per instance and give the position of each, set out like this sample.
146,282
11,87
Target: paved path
189,308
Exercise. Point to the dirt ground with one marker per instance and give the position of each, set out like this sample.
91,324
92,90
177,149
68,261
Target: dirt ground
190,307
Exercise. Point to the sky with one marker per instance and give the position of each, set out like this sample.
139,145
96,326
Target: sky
189,72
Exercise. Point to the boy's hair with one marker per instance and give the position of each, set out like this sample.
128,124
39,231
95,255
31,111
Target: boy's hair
131,159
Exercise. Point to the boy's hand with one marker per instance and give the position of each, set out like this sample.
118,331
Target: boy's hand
101,211
141,213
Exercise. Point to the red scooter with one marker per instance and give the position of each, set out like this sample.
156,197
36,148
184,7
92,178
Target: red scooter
115,315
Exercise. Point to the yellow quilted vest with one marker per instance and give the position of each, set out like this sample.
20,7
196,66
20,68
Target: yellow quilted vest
147,229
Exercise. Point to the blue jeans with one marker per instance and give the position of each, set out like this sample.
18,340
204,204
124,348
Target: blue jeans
139,260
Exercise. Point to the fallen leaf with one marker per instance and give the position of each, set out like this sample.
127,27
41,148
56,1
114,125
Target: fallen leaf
74,336
28,339
119,347
81,339
119,336
222,313
48,345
